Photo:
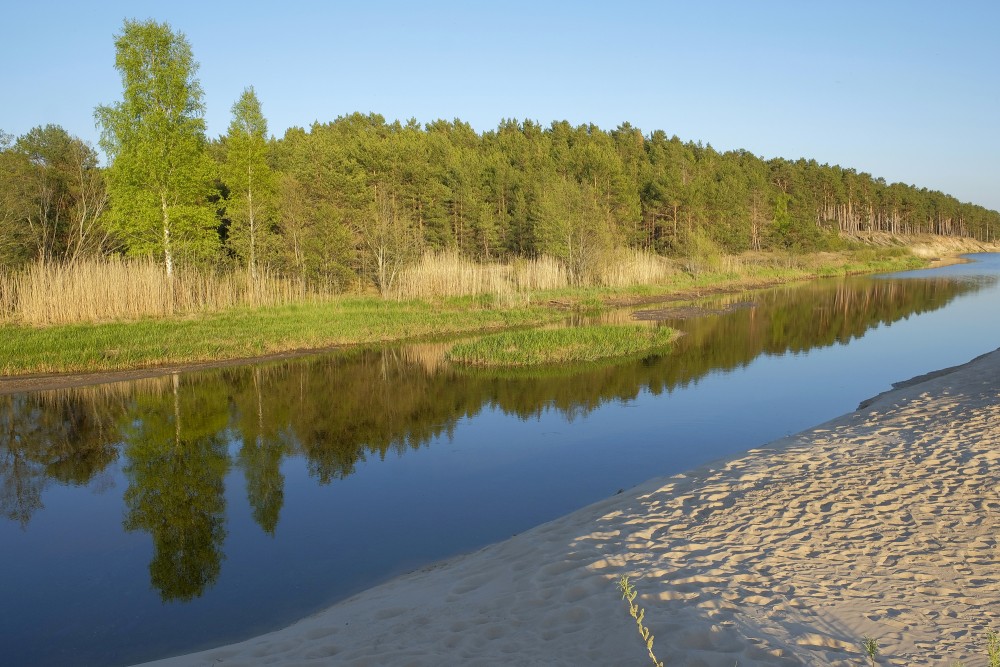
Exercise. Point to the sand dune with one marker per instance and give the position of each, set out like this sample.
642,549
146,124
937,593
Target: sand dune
884,521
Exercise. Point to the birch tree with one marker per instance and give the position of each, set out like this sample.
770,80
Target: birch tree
160,176
251,202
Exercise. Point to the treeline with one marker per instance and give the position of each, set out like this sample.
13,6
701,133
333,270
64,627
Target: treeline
359,198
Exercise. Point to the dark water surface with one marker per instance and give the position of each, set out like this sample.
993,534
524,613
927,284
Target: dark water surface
145,519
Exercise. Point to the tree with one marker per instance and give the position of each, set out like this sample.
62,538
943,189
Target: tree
251,203
52,197
159,178
389,240
573,228
13,245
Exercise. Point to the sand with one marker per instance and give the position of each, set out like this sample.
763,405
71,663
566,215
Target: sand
881,522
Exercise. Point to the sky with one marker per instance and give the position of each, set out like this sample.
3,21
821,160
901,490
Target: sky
905,90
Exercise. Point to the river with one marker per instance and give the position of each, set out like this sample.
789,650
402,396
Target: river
149,518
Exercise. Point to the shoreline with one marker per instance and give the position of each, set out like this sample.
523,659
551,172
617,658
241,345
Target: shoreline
29,382
883,521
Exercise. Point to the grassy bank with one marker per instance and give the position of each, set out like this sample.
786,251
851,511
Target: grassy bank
243,332
536,347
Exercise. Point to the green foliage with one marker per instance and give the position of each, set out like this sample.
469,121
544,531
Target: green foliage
389,239
993,647
638,613
573,228
160,176
870,646
702,255
51,197
251,184
559,346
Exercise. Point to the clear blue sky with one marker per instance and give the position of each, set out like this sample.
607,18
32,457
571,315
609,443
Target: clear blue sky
906,90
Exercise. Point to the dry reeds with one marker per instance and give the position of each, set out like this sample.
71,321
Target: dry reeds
632,267
124,289
541,273
447,274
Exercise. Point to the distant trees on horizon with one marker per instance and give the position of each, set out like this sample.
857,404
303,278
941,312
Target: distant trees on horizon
360,197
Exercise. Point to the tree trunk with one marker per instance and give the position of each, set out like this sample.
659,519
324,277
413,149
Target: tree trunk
168,255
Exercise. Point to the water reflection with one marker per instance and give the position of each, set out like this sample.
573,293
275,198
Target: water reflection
180,435
261,428
176,463
55,436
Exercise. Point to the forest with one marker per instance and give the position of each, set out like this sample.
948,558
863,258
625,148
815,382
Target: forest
348,204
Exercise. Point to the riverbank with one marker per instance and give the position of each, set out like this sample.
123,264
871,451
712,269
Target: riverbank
33,358
881,522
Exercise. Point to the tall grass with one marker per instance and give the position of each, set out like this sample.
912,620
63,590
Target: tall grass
123,289
117,289
447,274
631,267
539,274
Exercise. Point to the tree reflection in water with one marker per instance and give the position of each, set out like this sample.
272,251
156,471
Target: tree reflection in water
176,466
341,409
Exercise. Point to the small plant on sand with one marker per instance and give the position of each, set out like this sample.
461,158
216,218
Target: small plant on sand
638,613
870,645
993,647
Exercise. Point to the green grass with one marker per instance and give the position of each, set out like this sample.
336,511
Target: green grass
245,333
536,347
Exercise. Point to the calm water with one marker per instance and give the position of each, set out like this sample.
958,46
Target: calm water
151,518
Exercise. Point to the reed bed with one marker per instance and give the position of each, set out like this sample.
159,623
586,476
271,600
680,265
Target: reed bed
541,273
126,289
448,274
117,289
636,267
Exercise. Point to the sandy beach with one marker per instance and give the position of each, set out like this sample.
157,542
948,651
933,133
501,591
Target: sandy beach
881,522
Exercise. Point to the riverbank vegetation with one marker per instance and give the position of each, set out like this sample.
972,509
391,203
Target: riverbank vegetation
123,289
200,334
536,347
246,333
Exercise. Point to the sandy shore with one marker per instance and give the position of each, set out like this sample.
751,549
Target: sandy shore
882,522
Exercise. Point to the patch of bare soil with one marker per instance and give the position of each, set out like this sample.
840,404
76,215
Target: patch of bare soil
43,381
